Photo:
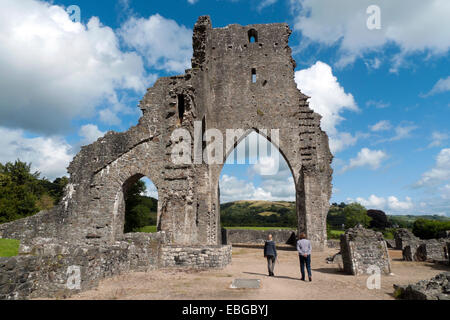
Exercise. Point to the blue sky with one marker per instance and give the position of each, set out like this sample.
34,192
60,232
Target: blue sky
383,93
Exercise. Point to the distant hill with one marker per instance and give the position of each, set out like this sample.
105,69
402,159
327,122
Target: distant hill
258,213
282,214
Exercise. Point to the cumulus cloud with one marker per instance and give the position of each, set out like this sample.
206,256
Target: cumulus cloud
233,188
439,173
50,155
192,1
329,99
367,157
383,125
415,26
163,43
391,204
57,69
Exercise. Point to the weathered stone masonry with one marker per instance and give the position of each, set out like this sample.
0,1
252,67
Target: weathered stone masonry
219,92
233,84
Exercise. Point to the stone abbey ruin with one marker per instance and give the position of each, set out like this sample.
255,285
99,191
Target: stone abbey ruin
219,92
242,77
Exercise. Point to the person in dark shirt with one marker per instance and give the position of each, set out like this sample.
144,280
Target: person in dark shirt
270,252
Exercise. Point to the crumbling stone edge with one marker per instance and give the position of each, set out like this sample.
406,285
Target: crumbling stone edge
49,268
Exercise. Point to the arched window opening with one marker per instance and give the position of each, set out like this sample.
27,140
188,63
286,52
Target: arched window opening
252,36
259,193
253,75
181,107
141,205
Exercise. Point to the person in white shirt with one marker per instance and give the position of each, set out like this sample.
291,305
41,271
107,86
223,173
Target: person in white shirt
304,253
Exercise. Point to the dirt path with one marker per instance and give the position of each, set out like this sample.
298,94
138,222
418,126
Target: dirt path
328,282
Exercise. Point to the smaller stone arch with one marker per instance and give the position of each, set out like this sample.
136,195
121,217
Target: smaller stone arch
118,212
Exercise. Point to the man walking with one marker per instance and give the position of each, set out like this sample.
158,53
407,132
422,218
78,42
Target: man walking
304,253
270,252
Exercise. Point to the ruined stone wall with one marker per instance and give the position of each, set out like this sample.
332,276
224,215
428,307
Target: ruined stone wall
363,249
256,236
48,267
425,250
403,237
196,257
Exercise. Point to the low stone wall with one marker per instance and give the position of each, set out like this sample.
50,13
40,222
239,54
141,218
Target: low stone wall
426,250
403,237
438,288
362,250
196,257
51,268
231,236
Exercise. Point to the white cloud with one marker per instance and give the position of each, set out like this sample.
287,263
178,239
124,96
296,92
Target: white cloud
89,134
329,99
367,157
397,205
275,188
442,85
383,125
438,139
164,44
445,192
378,104
192,1
440,172
415,26
50,155
372,202
402,131
266,3
57,69
390,204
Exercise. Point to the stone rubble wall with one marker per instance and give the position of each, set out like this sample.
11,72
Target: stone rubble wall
212,257
48,267
363,249
403,237
438,288
233,236
425,250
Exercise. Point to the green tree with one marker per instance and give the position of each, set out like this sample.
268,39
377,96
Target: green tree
18,191
356,214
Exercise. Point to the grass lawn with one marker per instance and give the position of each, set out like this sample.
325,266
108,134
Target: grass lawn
9,248
147,229
336,234
260,228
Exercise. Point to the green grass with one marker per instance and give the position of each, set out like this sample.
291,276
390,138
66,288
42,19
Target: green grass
9,247
260,228
335,234
147,229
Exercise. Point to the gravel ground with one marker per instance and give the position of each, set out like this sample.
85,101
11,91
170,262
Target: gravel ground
328,282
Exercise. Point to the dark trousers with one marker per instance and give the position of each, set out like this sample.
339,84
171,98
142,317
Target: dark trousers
271,263
306,261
